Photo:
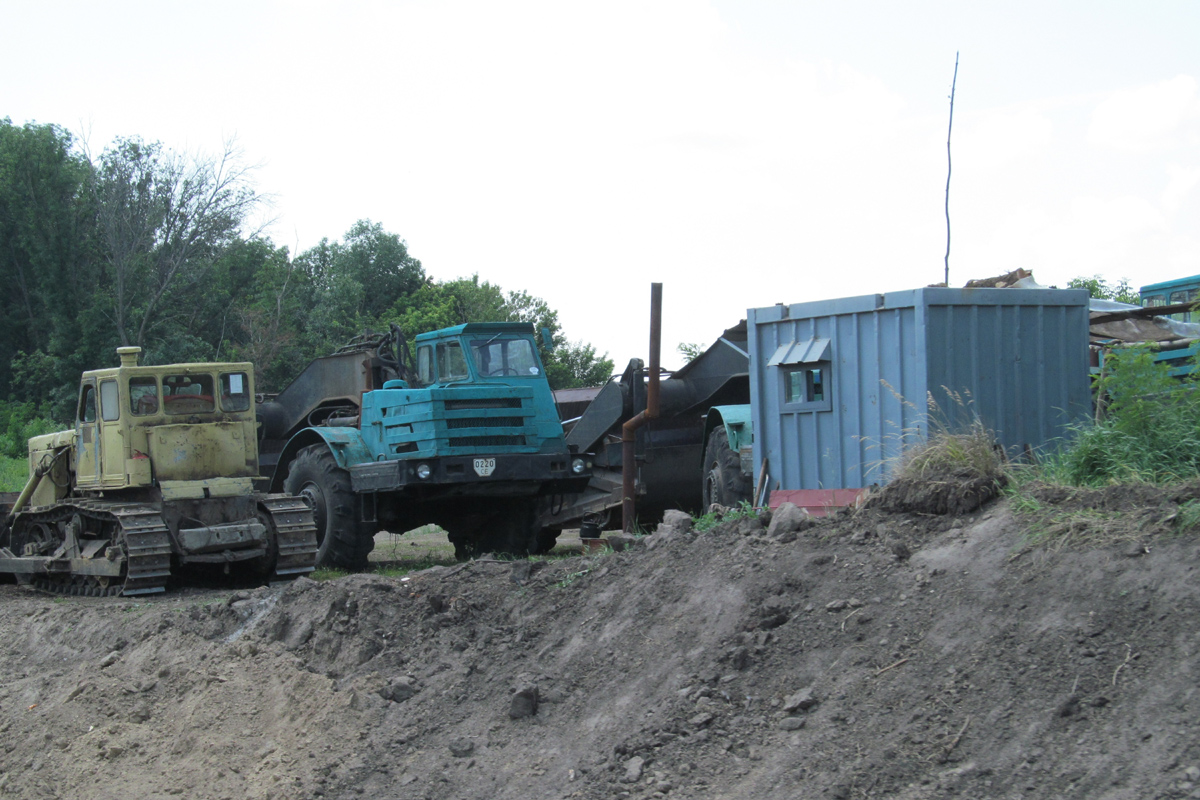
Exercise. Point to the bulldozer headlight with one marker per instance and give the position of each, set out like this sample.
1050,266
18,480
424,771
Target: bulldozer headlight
424,471
578,465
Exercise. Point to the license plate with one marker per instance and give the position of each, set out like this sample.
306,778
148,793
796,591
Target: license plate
484,466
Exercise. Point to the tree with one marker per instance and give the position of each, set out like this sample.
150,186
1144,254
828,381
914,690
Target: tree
1101,289
574,364
352,285
164,222
690,351
47,261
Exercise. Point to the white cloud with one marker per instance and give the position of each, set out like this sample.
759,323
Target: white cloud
996,139
1181,181
1148,117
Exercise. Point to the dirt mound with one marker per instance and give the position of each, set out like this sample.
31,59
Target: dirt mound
870,655
953,494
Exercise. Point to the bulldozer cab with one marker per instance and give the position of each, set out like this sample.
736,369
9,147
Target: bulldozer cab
139,426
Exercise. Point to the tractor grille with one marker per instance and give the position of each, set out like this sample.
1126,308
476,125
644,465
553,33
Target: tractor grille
485,422
488,441
500,402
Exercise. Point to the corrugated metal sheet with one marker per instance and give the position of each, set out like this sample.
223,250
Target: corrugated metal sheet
1015,358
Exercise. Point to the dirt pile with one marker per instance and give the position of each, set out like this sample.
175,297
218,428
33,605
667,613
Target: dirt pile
871,655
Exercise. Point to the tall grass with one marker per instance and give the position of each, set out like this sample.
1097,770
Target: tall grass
14,472
1148,428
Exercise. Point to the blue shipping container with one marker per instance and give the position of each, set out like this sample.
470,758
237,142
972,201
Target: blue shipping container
837,387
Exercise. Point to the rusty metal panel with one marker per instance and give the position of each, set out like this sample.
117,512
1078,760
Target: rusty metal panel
1016,358
193,452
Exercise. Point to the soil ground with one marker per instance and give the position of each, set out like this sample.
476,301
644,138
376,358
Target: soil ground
872,654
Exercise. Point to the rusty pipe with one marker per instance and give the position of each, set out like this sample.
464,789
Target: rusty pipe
629,429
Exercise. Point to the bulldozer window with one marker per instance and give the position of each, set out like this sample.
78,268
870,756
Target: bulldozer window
87,403
452,364
110,402
187,394
143,396
235,391
494,357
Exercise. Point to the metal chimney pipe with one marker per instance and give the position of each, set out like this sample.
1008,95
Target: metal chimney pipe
629,429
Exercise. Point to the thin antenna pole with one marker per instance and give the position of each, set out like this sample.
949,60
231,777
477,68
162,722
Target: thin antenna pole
949,165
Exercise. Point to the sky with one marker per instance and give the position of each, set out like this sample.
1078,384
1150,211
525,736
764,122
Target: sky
741,153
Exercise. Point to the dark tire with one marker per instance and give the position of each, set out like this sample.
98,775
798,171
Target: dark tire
546,540
724,482
513,533
505,528
342,541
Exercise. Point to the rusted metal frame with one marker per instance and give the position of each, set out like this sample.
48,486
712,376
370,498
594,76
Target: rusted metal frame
629,429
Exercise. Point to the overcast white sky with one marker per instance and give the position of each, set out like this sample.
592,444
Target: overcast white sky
742,153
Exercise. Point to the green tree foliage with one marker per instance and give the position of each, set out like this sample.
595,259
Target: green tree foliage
350,286
47,257
690,351
146,246
1101,289
164,222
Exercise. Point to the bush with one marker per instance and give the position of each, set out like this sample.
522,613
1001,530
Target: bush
1149,427
20,422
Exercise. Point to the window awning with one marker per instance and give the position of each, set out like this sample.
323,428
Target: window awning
807,351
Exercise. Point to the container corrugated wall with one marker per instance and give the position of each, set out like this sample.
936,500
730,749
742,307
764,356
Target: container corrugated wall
1017,358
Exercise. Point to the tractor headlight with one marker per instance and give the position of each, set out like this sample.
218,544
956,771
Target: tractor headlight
578,465
424,471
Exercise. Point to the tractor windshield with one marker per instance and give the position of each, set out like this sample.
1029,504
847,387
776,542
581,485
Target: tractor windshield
511,357
187,394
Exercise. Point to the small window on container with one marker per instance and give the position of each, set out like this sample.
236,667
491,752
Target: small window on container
805,374
807,387
143,396
235,391
187,394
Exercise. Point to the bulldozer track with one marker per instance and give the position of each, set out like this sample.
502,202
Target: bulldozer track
137,528
296,535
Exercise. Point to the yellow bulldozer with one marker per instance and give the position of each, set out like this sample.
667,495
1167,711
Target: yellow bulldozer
156,476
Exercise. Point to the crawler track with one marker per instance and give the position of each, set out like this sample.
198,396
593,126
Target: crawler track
133,530
126,549
296,535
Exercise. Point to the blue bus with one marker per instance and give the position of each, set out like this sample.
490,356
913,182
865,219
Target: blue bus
1168,293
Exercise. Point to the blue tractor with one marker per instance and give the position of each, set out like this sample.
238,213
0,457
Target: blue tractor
465,436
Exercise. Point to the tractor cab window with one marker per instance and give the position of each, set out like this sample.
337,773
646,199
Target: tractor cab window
187,394
235,391
495,357
143,396
425,365
110,401
87,403
451,363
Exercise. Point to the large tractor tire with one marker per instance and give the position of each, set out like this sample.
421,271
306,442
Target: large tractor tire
503,527
342,541
724,482
546,541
